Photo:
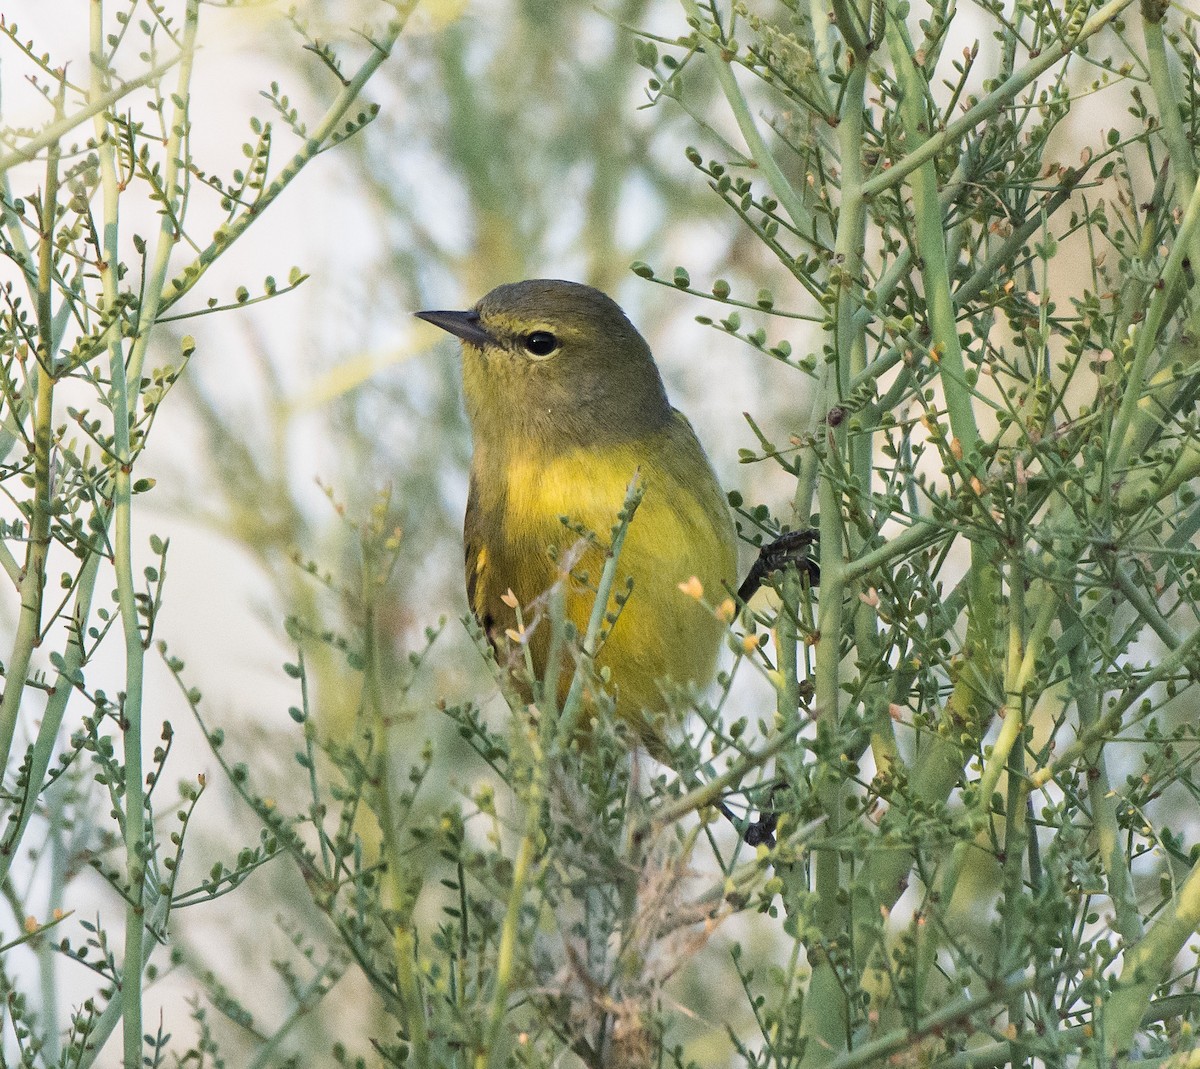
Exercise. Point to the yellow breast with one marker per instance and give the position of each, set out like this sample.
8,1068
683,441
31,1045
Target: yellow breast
681,529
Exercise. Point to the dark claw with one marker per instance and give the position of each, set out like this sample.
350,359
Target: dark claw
775,556
761,831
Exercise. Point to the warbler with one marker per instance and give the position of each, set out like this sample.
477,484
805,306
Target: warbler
566,404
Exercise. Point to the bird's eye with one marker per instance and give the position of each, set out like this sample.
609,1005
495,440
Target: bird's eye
541,342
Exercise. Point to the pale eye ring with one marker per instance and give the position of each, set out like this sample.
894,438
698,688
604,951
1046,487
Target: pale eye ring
540,342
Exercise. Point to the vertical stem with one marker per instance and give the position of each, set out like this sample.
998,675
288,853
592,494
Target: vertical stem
57,818
171,215
572,707
404,938
851,347
1167,94
37,548
967,704
491,1054
131,702
825,1010
1016,835
45,745
931,243
1106,831
1015,829
824,1025
787,691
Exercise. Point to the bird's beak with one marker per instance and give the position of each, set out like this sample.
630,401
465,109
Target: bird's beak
464,325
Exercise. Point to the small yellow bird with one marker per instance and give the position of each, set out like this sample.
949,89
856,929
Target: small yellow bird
566,405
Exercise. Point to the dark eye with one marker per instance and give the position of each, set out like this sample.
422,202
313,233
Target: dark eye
541,342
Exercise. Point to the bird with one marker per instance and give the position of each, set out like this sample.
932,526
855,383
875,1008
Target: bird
566,407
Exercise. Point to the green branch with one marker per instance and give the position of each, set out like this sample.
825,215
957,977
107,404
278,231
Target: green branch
720,61
96,105
996,101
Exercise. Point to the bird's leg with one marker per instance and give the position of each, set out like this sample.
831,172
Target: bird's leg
776,555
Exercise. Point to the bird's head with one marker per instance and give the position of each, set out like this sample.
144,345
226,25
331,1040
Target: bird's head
557,361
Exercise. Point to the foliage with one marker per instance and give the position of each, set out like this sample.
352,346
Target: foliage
101,254
977,752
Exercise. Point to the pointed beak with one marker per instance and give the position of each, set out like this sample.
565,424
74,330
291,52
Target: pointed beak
464,325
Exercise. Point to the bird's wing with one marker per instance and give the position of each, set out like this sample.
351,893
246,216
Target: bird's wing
476,560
